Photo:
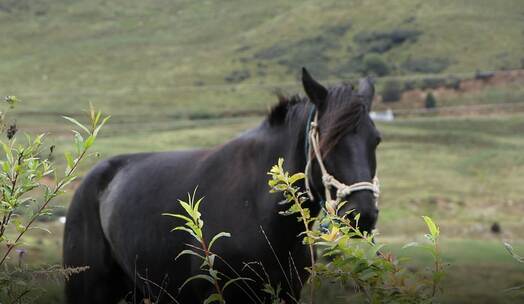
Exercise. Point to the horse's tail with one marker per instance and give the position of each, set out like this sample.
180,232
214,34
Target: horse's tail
85,244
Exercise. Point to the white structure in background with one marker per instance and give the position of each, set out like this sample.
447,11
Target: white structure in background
62,219
382,116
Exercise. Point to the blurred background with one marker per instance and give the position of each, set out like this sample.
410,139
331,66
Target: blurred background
185,74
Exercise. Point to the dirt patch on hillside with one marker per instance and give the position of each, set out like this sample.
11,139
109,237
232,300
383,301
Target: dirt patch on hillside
415,98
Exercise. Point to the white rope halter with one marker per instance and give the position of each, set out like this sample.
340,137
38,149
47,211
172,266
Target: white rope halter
328,180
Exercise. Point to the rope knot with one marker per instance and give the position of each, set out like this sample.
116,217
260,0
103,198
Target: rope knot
343,192
327,179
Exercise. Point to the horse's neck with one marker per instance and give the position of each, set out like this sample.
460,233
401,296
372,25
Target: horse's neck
267,145
287,143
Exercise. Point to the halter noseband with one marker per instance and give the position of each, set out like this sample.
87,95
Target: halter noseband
343,190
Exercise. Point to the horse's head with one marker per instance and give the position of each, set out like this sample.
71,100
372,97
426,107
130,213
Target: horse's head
346,143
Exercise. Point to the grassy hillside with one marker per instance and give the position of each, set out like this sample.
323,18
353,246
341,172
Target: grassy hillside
200,58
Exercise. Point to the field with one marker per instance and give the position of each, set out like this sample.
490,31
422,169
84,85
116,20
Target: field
194,74
464,172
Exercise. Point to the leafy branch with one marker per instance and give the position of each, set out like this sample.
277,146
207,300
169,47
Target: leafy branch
23,168
282,181
193,225
353,256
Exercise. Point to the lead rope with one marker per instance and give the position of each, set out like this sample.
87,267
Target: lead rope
329,180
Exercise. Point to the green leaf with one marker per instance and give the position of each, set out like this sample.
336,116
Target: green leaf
236,280
67,180
180,216
197,205
512,289
213,273
433,229
89,142
6,167
214,298
510,250
367,274
78,140
97,129
211,263
196,277
296,177
97,118
92,112
77,123
188,208
409,245
216,237
69,159
188,252
41,229
18,225
193,233
11,100
8,152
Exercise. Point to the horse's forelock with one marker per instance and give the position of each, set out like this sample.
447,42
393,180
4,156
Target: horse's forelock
344,114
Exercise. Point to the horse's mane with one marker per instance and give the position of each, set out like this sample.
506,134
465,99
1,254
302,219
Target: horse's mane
344,113
281,110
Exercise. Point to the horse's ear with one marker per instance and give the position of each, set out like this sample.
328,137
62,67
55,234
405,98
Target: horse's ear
314,90
366,89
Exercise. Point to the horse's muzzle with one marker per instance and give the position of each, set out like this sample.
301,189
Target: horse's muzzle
363,203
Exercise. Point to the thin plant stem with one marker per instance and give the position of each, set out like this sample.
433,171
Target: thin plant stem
208,259
437,269
310,245
278,261
234,271
158,286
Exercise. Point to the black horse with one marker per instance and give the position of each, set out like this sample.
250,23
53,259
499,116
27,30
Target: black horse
115,224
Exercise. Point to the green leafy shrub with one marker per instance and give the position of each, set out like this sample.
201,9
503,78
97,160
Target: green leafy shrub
374,64
25,198
426,65
381,42
353,256
430,102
